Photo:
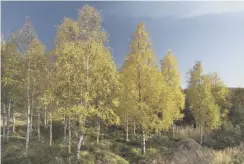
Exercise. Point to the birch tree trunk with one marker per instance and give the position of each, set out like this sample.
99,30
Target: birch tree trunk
4,120
31,121
87,87
173,130
69,122
80,140
69,137
8,120
28,113
13,114
127,129
143,142
31,115
201,133
65,129
140,108
51,130
134,128
45,116
38,125
83,141
87,73
98,130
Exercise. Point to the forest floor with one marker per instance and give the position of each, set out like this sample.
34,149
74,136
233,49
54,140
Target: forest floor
184,148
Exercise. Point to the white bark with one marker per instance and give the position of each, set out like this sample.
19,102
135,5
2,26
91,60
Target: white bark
31,115
38,126
51,131
28,113
4,120
69,137
28,128
80,140
201,133
98,130
8,121
13,121
45,116
65,129
87,72
134,128
143,142
32,112
83,141
127,129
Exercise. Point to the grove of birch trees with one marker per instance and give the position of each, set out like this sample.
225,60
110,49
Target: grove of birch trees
77,84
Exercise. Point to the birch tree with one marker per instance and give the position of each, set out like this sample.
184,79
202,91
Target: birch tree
11,83
34,63
22,40
171,76
48,99
201,101
142,85
84,41
221,95
101,75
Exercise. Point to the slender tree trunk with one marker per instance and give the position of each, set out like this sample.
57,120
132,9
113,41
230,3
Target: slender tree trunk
65,129
87,72
134,128
87,89
30,126
28,113
31,115
127,129
69,121
83,141
8,120
173,130
51,130
28,129
80,140
4,120
38,125
13,114
69,137
98,130
45,116
201,133
143,142
140,108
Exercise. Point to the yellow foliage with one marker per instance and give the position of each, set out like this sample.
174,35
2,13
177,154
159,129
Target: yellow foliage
201,99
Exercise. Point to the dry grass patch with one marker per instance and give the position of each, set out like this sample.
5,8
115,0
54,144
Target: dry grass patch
229,155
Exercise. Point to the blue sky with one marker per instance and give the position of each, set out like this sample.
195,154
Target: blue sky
212,32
